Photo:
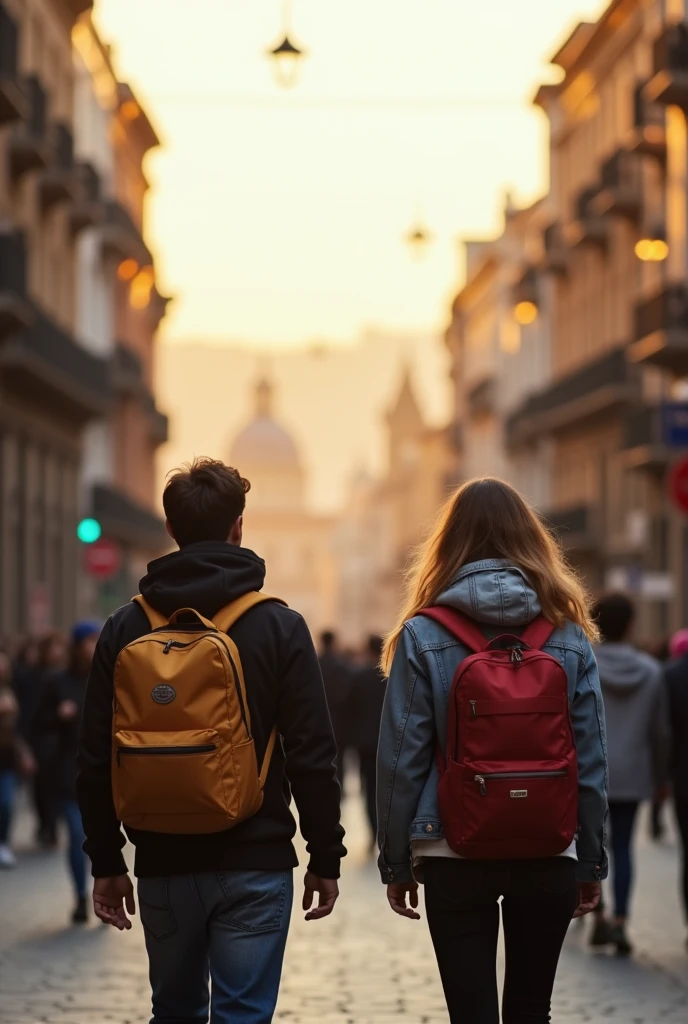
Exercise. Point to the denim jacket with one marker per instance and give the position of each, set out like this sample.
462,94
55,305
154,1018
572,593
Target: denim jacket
499,598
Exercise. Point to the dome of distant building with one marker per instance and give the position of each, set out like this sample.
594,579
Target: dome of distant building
263,443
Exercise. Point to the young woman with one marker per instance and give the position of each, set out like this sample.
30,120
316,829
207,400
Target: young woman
491,559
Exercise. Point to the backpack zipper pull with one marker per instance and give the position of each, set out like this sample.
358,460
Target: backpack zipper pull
481,782
166,649
473,711
516,656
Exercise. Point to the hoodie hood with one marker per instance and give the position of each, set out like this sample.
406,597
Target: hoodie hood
204,576
623,669
494,593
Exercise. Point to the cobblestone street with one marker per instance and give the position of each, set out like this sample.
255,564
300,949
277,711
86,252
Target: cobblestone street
363,966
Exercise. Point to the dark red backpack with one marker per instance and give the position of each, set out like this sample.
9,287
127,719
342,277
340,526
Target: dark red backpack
509,779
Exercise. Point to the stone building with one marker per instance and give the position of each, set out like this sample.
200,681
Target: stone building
297,545
51,385
72,141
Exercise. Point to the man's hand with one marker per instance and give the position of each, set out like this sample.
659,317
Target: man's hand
328,891
110,897
397,893
589,896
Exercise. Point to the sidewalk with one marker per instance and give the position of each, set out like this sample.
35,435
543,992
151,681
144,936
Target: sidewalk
363,966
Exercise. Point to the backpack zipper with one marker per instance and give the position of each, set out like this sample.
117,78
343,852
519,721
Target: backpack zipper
482,779
199,748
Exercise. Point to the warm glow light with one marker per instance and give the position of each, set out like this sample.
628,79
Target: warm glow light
525,312
141,288
127,270
651,250
130,110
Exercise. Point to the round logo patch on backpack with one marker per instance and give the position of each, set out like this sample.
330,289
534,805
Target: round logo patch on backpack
163,693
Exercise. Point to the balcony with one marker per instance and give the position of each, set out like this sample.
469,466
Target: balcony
661,333
644,442
598,387
59,182
556,259
88,207
587,228
122,237
648,134
14,103
28,144
621,187
576,528
15,312
124,519
158,422
669,82
127,371
43,364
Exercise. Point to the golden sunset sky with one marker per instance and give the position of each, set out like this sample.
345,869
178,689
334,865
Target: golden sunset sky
278,217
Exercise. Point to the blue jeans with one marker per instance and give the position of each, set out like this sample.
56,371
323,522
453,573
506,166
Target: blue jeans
622,820
229,928
76,858
8,785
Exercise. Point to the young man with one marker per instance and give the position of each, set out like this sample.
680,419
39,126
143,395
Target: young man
218,904
637,744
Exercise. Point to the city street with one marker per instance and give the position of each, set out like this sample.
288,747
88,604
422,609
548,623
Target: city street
363,966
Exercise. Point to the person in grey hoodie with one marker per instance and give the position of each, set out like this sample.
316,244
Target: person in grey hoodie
637,745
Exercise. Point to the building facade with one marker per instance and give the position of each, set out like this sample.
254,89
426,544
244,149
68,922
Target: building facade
59,387
588,411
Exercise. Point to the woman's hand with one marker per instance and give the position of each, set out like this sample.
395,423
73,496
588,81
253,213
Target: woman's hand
397,893
589,896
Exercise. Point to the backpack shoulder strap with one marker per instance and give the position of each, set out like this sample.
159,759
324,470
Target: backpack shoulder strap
231,613
155,618
537,633
224,620
460,626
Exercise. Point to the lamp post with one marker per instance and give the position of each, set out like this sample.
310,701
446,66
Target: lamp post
419,239
286,57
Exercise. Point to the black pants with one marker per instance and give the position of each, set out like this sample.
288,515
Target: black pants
622,815
461,899
682,819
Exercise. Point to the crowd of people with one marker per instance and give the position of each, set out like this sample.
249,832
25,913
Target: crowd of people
42,692
506,732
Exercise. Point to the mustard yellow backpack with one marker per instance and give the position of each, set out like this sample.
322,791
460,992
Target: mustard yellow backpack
183,756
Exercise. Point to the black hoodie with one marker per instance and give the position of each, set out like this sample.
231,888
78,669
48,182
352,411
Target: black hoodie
284,686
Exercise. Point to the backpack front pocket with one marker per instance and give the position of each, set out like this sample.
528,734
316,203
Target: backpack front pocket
164,780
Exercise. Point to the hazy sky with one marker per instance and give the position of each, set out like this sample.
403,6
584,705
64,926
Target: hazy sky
278,217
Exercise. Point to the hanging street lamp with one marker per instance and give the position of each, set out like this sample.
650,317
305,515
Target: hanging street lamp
419,240
286,57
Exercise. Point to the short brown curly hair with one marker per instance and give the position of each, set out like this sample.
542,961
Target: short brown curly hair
203,500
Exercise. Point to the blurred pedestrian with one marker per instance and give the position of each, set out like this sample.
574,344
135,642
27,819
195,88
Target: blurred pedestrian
57,721
472,829
338,677
637,745
676,675
15,759
52,658
368,698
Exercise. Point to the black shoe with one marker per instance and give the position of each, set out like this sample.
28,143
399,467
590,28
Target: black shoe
601,934
620,940
80,915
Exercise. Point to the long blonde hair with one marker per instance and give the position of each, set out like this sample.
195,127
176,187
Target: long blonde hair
487,518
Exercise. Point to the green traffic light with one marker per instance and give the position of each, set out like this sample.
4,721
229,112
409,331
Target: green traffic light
88,531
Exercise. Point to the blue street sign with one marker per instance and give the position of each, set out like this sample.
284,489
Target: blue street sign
675,424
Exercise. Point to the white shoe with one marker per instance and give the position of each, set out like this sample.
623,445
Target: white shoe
7,858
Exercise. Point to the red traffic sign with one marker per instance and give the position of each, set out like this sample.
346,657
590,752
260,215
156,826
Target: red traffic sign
103,559
678,483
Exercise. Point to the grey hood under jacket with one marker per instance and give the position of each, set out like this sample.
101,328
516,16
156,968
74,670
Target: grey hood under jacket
637,721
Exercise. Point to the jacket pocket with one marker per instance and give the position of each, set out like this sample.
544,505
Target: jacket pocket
164,780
